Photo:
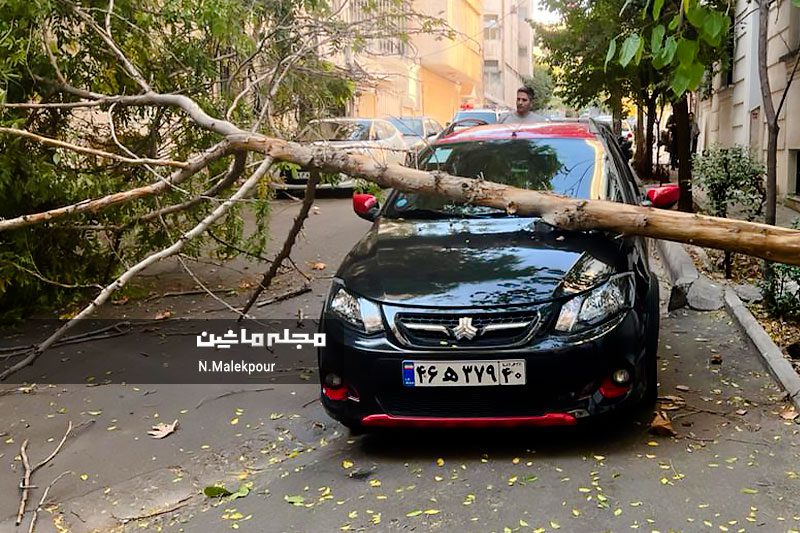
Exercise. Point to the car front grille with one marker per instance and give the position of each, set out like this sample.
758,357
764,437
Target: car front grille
468,330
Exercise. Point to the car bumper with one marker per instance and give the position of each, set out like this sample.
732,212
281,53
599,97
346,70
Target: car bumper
567,380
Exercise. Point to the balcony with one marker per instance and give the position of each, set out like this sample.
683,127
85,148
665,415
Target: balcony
492,49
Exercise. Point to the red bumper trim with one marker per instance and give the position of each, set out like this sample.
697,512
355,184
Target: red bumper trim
550,419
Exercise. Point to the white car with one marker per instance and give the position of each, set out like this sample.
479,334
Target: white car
372,136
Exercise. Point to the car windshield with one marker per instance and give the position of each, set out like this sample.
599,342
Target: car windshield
408,126
563,166
490,117
330,130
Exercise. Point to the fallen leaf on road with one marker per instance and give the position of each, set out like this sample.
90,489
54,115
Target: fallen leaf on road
682,388
789,413
661,425
294,500
161,315
161,430
318,266
716,359
120,301
347,464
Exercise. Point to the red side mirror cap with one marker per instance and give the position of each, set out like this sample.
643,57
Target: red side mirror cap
664,197
365,205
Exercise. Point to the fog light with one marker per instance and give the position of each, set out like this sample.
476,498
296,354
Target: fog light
621,377
333,380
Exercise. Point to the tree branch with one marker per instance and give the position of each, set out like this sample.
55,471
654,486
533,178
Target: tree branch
120,282
301,217
91,151
198,163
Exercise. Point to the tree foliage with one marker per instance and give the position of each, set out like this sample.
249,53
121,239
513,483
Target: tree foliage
261,64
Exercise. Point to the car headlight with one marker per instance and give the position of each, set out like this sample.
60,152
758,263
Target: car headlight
359,312
592,308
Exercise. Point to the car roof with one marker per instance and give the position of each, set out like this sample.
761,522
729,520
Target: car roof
559,129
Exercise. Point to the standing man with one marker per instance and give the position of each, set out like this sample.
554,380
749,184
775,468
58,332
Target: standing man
695,132
524,115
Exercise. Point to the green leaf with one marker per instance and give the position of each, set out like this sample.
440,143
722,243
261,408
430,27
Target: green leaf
242,491
697,16
667,53
695,73
714,26
657,5
675,22
687,51
796,3
680,82
657,38
749,491
215,491
629,49
294,500
612,49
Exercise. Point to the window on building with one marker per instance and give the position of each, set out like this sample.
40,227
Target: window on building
491,29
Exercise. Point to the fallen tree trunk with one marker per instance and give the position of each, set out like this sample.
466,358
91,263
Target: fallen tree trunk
760,240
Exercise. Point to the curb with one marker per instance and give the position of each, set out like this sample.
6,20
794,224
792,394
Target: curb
682,274
778,366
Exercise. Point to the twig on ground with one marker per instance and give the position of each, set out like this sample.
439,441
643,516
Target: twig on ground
285,296
43,499
26,479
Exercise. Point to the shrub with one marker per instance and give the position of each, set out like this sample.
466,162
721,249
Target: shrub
732,178
781,286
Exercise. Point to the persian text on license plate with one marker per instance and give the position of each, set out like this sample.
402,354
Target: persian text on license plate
463,373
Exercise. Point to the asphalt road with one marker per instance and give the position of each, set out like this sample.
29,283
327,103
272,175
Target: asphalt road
733,465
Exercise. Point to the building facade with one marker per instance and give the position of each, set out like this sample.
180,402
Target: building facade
426,74
734,115
507,49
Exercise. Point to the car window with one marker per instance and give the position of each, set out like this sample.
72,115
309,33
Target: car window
563,166
383,131
329,130
408,126
490,117
432,127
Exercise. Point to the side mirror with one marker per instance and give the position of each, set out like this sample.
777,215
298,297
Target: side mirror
663,197
365,206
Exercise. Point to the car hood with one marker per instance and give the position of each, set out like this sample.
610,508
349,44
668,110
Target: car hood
467,262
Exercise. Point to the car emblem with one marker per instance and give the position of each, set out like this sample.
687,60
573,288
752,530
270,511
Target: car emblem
465,329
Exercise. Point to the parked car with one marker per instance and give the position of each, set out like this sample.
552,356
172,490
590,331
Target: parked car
376,137
417,131
446,314
489,116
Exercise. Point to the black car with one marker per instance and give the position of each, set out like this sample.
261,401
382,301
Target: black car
448,314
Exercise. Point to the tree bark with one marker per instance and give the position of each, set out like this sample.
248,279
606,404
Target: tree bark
769,112
650,138
683,134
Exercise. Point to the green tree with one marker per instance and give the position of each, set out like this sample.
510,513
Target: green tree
256,63
681,40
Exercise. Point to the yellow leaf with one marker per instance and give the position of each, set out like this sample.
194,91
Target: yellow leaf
432,511
374,483
523,523
438,478
617,511
234,421
439,462
352,514
554,525
84,477
576,512
347,464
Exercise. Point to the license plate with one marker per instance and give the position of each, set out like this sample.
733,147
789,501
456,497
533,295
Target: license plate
303,174
463,373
